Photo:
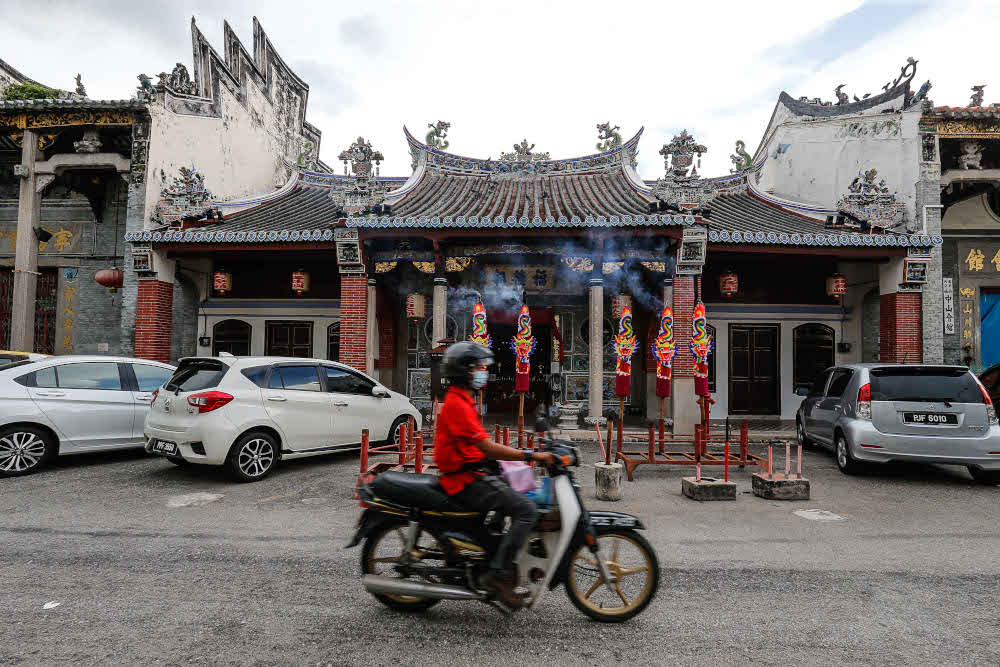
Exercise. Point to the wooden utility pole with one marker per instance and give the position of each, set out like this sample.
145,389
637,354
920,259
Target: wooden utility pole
22,323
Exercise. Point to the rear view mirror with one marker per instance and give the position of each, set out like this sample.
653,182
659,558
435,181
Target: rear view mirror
379,392
802,391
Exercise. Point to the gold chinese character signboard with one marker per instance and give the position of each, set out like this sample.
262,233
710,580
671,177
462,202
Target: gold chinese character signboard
66,238
980,259
528,278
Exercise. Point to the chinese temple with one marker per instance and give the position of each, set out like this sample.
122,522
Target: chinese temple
795,272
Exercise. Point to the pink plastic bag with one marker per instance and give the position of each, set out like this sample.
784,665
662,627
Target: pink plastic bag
519,475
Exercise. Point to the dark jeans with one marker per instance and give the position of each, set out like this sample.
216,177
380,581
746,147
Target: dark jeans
493,493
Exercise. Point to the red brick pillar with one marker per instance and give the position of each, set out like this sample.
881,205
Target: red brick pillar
354,321
683,312
154,320
900,328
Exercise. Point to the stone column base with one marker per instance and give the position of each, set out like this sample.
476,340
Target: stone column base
608,478
781,488
708,488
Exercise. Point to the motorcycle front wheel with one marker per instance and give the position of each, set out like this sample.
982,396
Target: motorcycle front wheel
630,560
384,549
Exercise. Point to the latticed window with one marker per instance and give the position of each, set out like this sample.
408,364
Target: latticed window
333,342
812,353
232,336
46,297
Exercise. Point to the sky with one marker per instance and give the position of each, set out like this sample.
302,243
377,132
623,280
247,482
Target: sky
539,70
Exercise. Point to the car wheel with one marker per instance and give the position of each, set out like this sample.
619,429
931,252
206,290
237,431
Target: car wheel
800,434
990,477
253,457
394,431
845,461
24,450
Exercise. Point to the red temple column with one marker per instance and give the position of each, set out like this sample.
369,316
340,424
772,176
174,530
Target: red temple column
154,320
354,321
686,412
900,328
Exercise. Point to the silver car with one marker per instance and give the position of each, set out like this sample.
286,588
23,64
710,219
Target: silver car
66,405
879,413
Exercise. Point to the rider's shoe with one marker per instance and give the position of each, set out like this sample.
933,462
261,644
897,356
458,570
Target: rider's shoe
506,588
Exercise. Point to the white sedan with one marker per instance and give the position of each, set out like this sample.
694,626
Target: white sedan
247,413
67,405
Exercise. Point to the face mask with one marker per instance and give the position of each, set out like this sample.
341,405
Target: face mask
479,379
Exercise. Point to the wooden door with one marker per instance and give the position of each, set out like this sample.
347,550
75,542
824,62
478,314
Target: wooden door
754,369
289,339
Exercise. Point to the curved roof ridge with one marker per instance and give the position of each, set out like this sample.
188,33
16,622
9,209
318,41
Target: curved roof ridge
486,165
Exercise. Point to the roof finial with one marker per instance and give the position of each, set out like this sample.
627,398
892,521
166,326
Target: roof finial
609,137
977,96
436,137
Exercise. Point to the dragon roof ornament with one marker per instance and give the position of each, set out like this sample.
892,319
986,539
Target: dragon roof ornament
523,161
870,201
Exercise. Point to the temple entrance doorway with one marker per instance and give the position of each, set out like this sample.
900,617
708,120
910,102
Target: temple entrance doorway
500,397
753,370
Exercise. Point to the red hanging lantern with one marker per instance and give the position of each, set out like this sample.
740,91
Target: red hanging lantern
222,282
110,278
300,282
729,284
836,286
416,306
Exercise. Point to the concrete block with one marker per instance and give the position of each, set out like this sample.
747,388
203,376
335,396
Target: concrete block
708,488
781,488
608,478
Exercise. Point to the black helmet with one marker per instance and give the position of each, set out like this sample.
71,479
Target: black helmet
462,357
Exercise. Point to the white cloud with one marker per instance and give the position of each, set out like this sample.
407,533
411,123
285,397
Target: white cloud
541,70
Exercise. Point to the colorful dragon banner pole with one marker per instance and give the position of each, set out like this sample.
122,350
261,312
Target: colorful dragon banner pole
523,345
664,349
480,334
701,347
624,348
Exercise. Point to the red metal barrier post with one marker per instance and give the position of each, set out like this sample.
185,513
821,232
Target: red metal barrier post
364,451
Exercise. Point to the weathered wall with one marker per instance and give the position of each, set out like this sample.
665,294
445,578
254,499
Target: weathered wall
824,155
239,154
82,247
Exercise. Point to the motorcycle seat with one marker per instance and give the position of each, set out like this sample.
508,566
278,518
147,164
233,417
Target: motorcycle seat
414,490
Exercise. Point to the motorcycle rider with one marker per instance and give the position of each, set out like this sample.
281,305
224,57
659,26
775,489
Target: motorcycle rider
463,451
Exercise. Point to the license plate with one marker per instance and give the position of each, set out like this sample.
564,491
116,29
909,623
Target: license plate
932,418
164,447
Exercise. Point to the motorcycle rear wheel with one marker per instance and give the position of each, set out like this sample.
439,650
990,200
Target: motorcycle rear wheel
631,560
383,549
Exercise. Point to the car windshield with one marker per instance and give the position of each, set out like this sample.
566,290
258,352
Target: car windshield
940,385
196,374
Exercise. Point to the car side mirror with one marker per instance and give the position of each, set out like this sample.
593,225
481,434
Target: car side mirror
802,391
379,392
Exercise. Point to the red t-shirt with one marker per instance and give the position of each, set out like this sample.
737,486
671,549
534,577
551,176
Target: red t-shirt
458,428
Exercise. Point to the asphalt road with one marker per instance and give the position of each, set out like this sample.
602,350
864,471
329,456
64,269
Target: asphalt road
258,574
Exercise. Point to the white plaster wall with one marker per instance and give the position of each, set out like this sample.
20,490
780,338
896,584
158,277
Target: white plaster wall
974,213
239,154
257,318
721,316
822,159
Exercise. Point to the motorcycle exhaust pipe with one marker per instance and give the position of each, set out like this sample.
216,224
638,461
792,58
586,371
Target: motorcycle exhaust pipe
394,586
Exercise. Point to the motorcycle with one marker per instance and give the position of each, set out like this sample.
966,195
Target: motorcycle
420,547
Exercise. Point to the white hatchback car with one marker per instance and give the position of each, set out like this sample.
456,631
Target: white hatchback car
66,405
246,413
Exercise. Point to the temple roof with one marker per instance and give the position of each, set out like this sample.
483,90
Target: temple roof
305,213
54,104
962,113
